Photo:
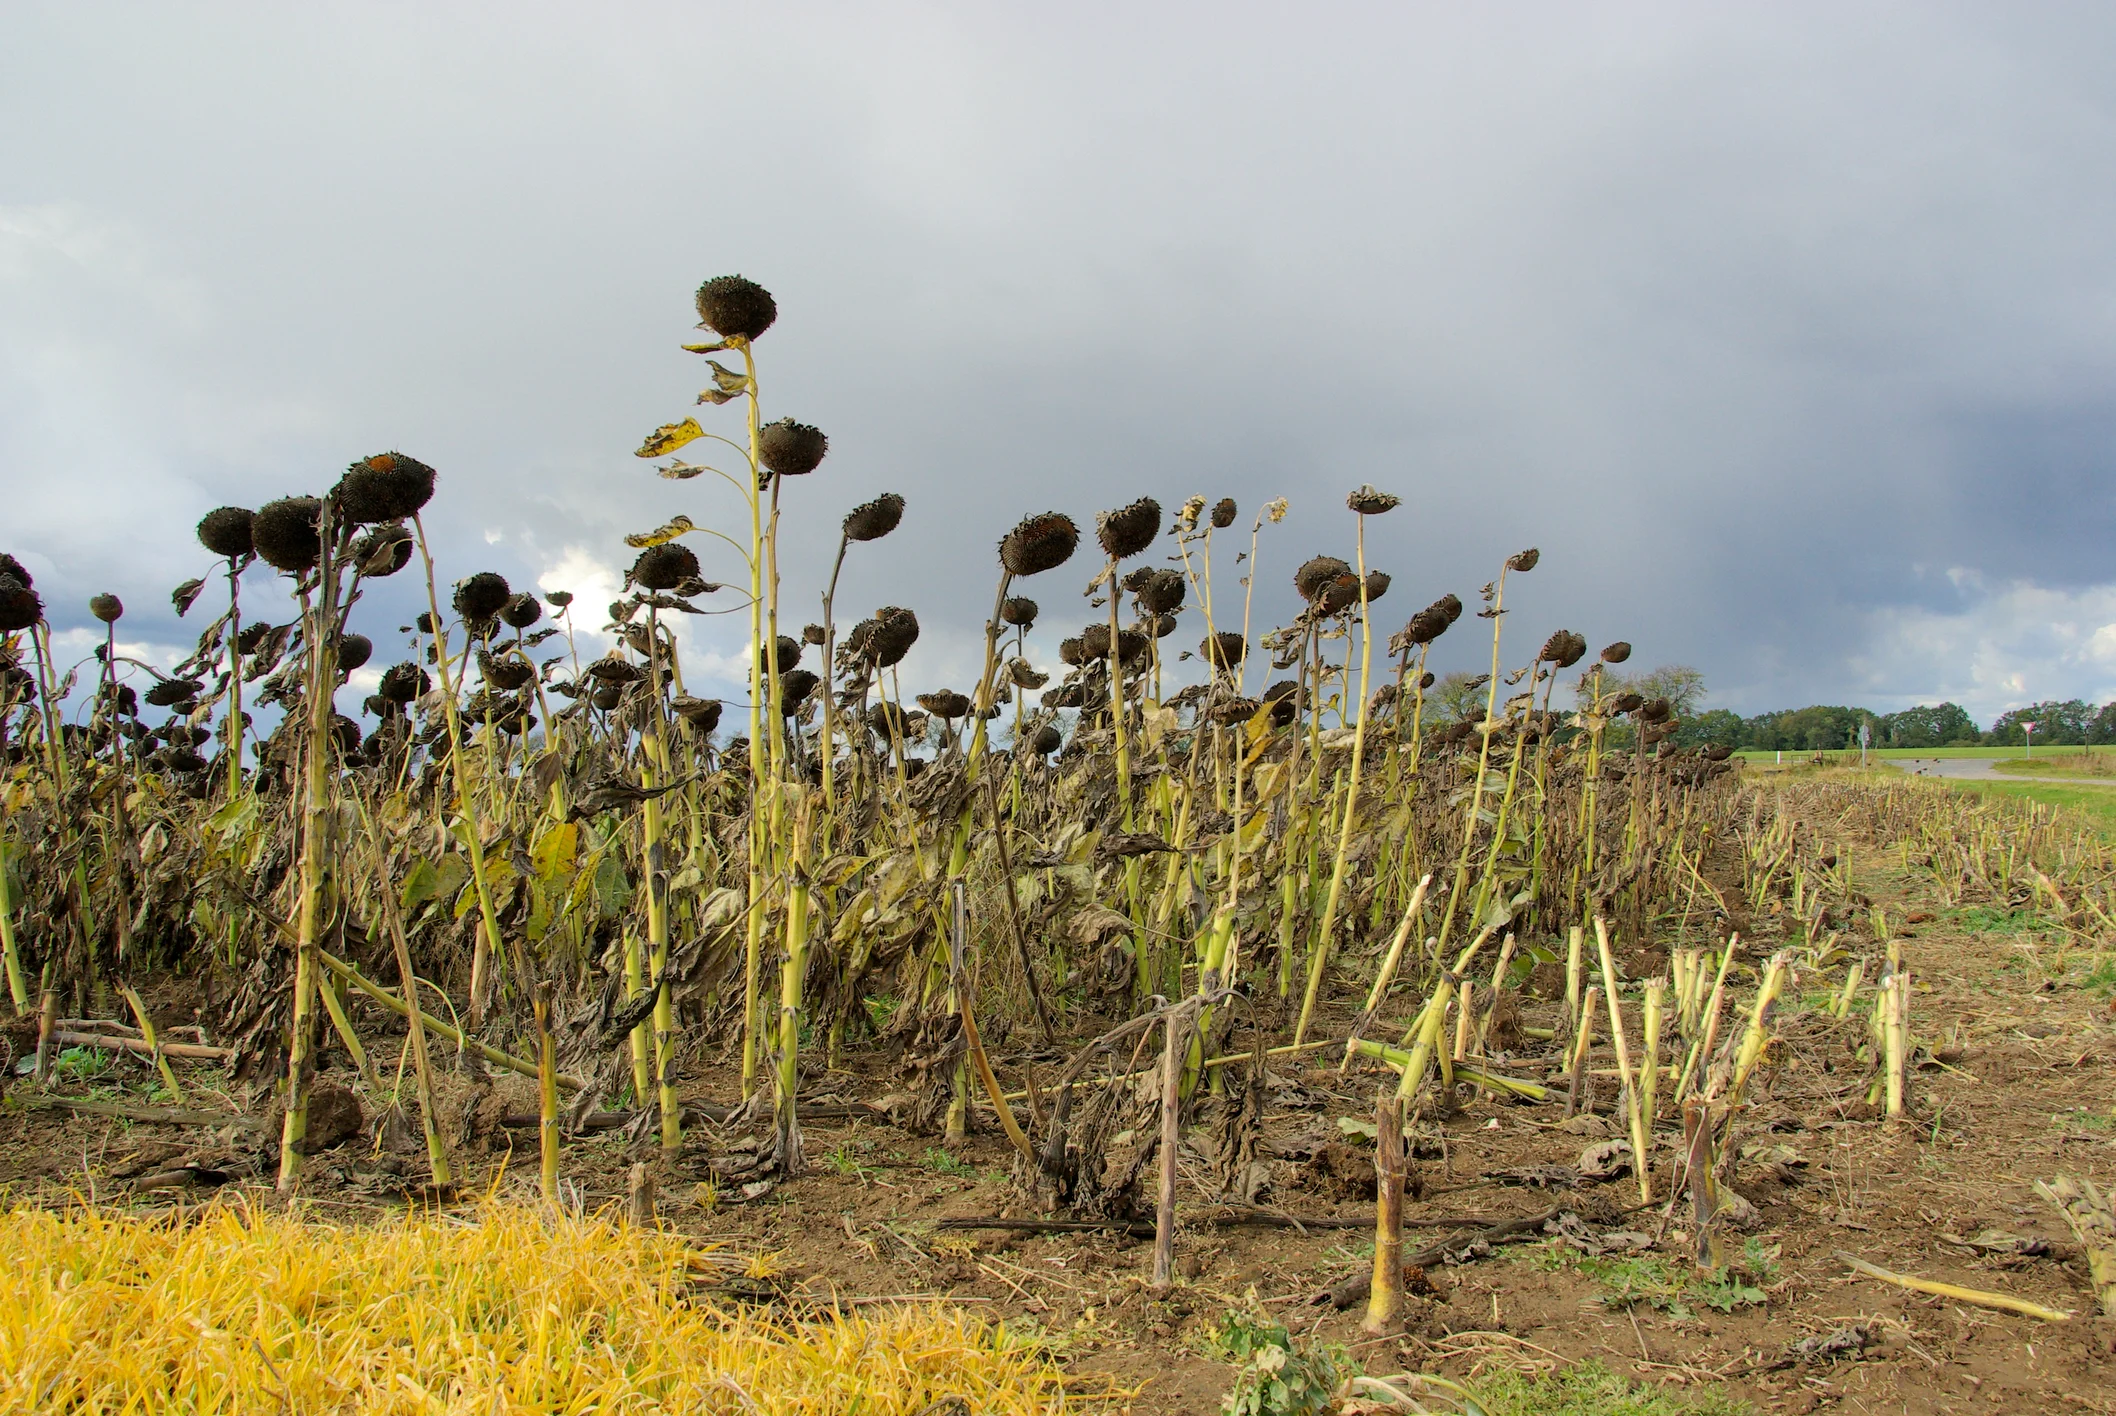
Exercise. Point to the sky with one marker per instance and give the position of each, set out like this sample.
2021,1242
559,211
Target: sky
1786,332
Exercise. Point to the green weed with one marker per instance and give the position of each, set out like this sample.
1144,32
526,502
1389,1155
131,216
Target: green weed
845,1161
82,1064
1631,1280
1277,1375
1591,1389
946,1164
1988,919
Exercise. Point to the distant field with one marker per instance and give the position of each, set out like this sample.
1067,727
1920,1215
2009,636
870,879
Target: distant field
2095,804
1890,754
2066,762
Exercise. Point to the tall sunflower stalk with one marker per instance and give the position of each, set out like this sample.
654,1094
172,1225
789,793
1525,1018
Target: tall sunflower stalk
1364,503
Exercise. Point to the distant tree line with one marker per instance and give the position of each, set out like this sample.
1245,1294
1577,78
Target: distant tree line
2071,723
1818,728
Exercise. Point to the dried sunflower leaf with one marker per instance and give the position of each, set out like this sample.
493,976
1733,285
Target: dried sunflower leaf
670,436
668,531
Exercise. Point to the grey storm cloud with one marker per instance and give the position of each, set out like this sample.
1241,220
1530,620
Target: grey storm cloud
1784,331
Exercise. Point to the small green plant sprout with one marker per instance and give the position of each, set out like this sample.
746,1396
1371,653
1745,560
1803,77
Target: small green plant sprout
1275,1374
845,1160
946,1164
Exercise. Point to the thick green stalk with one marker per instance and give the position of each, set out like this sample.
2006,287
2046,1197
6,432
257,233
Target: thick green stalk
234,725
1476,796
761,675
415,1021
653,769
792,975
466,790
17,987
546,1096
1319,956
1424,1034
316,849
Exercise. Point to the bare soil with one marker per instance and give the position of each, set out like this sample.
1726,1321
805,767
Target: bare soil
2019,1087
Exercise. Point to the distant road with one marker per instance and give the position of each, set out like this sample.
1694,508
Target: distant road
1980,769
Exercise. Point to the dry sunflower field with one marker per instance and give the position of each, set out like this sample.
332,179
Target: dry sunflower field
1215,1027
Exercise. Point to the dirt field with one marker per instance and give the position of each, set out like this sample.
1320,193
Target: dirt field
2015,1085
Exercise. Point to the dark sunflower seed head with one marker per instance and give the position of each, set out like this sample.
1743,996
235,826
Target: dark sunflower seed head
403,683
1018,610
16,571
789,653
1129,529
945,704
506,672
107,608
1339,595
225,531
1563,649
1224,650
870,521
1161,592
1315,574
387,486
521,611
894,630
794,688
664,567
383,551
703,714
354,650
1223,513
482,596
1039,543
285,533
1045,740
1524,561
736,308
791,449
1617,652
1368,502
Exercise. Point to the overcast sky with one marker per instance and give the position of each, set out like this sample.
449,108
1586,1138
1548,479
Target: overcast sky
1787,332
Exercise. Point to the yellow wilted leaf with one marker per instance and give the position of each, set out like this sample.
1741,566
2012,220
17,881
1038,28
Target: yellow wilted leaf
557,848
670,436
668,531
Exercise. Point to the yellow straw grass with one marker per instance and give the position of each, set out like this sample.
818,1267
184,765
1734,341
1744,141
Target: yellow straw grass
509,1311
